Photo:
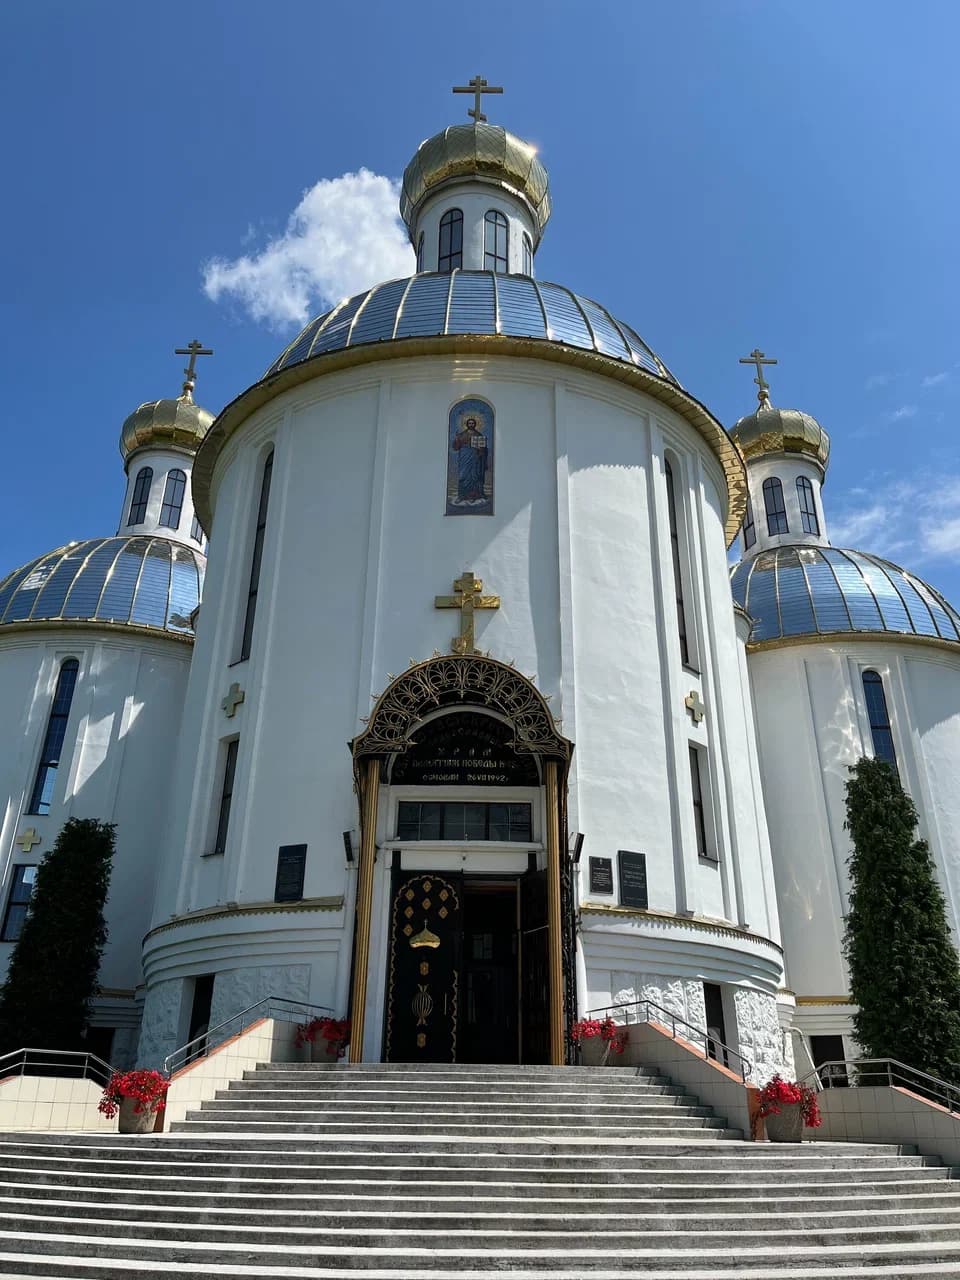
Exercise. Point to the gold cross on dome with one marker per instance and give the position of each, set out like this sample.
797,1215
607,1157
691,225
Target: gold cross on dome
192,349
467,599
756,357
28,839
695,706
477,86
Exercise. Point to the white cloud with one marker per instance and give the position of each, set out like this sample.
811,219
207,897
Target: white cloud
344,236
877,380
905,411
912,520
935,379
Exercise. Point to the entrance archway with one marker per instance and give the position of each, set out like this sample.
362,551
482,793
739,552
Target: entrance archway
462,682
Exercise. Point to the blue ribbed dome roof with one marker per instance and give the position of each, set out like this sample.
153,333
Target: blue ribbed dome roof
804,590
471,302
138,581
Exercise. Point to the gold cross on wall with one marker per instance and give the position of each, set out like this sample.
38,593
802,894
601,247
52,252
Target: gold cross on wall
192,349
467,599
756,357
28,839
477,86
235,695
695,706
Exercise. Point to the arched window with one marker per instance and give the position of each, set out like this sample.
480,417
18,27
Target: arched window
257,557
773,501
808,506
420,252
495,233
749,528
53,738
173,498
879,717
675,551
141,496
451,241
196,531
527,255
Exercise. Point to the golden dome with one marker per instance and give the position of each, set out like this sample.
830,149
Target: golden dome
175,424
772,430
483,149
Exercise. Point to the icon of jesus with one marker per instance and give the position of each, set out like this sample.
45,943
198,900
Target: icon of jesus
470,446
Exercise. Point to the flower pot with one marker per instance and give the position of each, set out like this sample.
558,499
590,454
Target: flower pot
132,1121
593,1052
788,1125
323,1051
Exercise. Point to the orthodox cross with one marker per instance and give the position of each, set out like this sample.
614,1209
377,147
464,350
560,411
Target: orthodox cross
756,357
28,839
192,349
477,86
695,706
235,695
467,599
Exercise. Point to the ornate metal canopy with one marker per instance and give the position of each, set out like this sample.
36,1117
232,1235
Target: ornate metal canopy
454,680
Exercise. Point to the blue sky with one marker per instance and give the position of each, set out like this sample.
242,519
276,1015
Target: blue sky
725,174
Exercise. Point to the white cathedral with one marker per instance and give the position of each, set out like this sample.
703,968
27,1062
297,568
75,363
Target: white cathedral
469,735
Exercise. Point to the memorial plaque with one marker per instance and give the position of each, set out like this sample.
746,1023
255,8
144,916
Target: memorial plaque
633,878
291,864
601,875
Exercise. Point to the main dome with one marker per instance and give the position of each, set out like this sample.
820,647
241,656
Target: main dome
471,302
132,581
796,591
486,150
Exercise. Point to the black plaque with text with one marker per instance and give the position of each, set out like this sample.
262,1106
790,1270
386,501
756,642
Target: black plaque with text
601,875
633,878
291,865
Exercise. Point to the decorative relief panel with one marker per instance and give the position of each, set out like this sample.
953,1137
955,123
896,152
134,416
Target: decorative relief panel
759,1034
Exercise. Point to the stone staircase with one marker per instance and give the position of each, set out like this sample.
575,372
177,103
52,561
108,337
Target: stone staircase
384,1172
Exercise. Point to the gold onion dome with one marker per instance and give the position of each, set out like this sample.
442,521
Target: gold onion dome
773,430
484,150
175,424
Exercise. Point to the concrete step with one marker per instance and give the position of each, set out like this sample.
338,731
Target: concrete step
219,1121
229,1100
268,1093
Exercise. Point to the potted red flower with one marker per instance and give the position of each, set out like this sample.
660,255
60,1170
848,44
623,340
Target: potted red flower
327,1037
597,1038
786,1107
138,1096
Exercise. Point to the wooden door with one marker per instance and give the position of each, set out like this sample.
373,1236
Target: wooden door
423,981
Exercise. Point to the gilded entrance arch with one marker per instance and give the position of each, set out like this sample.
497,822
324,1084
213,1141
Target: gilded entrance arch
462,681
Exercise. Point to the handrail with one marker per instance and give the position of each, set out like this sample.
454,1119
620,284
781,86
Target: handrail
80,1063
202,1041
746,1066
842,1073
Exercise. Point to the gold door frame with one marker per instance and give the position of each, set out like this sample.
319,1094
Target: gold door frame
458,681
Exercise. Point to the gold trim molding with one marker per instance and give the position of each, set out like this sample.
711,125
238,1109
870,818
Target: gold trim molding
497,344
853,637
91,624
334,903
823,1000
690,922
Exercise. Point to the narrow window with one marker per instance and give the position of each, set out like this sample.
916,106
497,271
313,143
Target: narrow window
883,747
254,587
699,816
291,865
53,739
141,496
226,795
773,501
196,531
749,528
494,241
420,252
451,241
24,878
808,506
173,498
527,255
675,552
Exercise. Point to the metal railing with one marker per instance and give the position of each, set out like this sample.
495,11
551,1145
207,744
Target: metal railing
71,1064
866,1073
280,1008
713,1048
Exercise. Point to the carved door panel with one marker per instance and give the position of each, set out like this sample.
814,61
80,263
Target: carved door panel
534,969
423,980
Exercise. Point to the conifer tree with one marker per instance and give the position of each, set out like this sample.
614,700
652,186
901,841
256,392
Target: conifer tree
45,1001
904,968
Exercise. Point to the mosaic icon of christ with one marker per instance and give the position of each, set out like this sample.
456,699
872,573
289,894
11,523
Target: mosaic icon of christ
470,489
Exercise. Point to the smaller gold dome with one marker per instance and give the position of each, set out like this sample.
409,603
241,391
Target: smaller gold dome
773,430
483,149
176,424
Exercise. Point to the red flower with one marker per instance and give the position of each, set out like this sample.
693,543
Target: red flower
607,1030
336,1032
148,1087
779,1091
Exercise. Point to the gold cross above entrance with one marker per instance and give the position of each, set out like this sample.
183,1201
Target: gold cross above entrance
467,599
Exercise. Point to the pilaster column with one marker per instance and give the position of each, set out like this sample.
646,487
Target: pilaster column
361,936
554,935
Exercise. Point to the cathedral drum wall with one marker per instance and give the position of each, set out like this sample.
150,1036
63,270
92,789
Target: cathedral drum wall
377,505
